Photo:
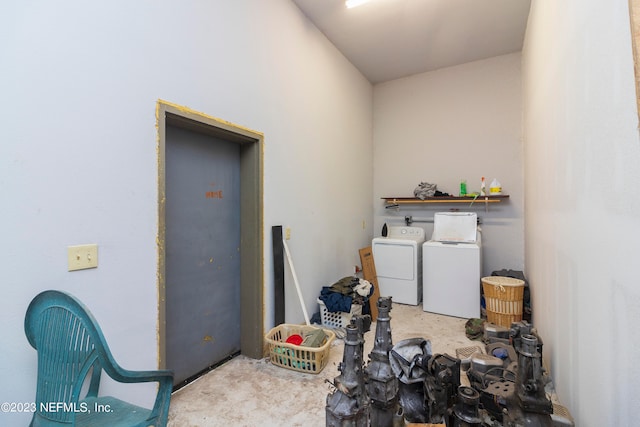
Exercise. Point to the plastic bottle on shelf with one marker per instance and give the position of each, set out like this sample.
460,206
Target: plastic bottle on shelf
495,189
483,190
463,188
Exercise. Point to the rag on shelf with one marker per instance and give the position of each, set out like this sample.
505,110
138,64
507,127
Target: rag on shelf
346,291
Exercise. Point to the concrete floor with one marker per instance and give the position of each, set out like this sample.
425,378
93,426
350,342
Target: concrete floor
249,392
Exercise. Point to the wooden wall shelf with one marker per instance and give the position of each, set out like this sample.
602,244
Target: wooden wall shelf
444,199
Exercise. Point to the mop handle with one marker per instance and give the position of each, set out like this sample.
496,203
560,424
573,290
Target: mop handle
295,280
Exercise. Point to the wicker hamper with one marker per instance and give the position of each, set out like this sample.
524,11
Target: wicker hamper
503,297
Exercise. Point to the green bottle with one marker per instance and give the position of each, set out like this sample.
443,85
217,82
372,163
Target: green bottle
463,188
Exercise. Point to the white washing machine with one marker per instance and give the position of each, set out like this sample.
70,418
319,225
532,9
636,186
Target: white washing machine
452,263
398,260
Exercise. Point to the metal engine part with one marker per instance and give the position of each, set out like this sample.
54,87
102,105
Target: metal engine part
495,397
381,382
484,363
495,333
521,328
484,369
428,384
412,400
441,385
529,378
529,405
409,359
348,405
512,387
362,322
466,412
505,352
465,354
405,382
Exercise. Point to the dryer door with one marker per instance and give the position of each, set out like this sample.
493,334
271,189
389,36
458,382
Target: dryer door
395,260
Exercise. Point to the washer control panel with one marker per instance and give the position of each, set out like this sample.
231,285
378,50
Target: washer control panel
402,232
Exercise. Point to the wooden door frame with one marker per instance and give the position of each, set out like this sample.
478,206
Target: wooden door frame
251,220
634,16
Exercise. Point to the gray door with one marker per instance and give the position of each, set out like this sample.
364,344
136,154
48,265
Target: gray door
202,251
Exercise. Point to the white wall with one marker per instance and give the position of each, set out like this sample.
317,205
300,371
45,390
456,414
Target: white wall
456,123
78,161
582,153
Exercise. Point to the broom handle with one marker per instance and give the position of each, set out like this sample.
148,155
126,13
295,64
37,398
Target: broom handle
295,280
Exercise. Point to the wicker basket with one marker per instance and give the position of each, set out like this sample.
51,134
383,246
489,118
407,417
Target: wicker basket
337,319
310,360
503,296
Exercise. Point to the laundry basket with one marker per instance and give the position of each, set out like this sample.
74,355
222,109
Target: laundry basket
311,360
337,319
503,297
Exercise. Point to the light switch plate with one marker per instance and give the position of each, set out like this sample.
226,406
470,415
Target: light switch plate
81,257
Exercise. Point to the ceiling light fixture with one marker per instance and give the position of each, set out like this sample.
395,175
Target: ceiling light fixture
354,3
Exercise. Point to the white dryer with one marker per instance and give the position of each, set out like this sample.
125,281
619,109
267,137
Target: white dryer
398,260
452,262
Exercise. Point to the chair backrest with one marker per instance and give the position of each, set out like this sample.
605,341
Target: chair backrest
68,341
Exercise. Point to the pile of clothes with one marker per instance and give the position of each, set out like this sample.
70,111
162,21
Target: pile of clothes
425,190
345,292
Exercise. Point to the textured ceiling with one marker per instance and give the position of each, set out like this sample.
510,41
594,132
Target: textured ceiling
390,39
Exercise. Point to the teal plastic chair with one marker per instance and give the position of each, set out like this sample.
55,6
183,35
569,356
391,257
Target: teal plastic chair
72,353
